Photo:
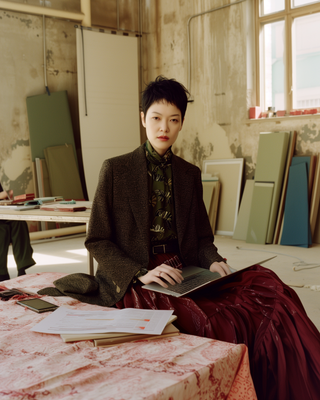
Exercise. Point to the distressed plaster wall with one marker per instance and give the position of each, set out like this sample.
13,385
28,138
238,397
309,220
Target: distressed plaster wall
22,75
222,72
222,84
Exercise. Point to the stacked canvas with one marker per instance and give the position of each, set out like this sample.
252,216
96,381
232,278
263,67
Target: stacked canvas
270,167
281,205
211,193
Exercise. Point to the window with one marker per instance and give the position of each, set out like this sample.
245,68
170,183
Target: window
288,46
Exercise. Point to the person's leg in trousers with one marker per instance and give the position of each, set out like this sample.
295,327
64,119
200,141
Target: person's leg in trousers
21,247
4,246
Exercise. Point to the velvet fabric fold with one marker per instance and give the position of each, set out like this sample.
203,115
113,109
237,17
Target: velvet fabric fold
256,309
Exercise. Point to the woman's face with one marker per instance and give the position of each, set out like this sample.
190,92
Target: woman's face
163,123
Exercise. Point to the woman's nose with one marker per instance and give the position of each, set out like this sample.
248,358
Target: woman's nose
164,126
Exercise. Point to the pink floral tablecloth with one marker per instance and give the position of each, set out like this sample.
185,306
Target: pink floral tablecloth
39,366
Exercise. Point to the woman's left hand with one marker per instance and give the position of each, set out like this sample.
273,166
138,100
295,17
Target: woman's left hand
221,267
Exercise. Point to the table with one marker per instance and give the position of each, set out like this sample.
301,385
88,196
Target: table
40,366
50,216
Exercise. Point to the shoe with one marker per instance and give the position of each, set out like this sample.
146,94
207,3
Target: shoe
4,277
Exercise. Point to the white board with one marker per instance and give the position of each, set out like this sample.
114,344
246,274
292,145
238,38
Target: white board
108,89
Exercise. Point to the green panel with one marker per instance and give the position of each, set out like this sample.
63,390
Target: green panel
63,172
260,212
49,122
241,229
296,225
271,161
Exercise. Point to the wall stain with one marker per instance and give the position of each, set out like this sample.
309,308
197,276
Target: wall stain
65,34
15,120
28,22
20,142
19,185
49,57
53,72
33,73
309,134
249,166
236,150
306,140
196,151
169,18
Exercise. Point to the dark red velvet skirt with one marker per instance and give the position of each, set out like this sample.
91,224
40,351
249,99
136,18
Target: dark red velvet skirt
256,309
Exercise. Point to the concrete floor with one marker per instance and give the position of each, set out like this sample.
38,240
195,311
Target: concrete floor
69,255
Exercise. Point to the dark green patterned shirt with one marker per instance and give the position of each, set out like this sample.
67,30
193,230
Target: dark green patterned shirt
161,206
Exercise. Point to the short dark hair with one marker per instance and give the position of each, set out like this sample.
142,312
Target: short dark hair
164,89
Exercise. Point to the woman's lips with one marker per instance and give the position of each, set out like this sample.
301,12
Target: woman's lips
163,137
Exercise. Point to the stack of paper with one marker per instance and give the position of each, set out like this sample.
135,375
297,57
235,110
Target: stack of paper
112,339
108,328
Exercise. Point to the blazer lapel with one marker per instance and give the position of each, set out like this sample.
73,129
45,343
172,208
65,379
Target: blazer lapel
137,190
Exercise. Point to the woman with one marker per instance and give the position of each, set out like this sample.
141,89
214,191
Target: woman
148,220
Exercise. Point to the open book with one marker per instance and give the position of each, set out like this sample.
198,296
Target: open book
114,338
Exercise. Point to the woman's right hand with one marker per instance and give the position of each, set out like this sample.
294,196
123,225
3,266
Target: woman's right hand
161,274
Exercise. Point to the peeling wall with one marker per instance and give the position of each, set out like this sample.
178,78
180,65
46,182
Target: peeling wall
222,72
222,77
22,75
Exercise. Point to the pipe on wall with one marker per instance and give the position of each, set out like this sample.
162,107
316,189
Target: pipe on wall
86,11
189,41
48,12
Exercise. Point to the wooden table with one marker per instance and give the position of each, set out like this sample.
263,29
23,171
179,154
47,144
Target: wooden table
50,216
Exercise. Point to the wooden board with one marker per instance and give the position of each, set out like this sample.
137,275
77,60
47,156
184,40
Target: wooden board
260,212
241,229
291,149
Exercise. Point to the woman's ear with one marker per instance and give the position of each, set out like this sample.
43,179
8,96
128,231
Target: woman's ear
142,119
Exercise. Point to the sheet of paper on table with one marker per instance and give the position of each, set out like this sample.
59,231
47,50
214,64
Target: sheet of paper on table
131,320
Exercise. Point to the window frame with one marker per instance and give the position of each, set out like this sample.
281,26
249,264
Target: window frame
287,15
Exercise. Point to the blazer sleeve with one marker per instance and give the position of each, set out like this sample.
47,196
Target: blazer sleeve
116,268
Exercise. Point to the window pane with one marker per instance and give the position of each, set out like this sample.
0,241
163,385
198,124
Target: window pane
273,77
306,61
272,6
298,3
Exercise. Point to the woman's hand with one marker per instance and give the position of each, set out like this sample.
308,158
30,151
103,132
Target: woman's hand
221,267
161,274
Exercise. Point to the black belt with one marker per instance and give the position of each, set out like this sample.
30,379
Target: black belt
171,247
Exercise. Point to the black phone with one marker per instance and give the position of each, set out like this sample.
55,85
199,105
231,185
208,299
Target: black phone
7,294
37,305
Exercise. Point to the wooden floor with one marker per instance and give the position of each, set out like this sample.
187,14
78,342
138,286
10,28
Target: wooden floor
69,255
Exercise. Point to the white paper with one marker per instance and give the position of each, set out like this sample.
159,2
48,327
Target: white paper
129,320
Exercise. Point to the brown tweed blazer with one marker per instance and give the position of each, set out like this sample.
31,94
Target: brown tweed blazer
118,235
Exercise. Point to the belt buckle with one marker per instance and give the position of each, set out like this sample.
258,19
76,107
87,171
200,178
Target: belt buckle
159,245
